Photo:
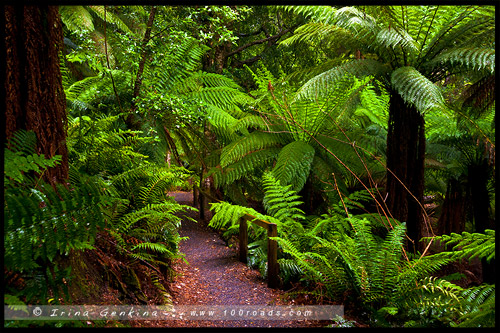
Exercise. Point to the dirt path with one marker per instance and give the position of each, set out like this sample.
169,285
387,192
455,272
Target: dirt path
214,276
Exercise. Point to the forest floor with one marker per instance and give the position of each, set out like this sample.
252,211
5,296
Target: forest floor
214,276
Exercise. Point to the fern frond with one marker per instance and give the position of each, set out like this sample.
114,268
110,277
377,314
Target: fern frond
250,122
315,13
473,58
246,165
68,220
479,307
395,37
327,80
418,269
463,27
280,201
18,161
294,164
110,17
169,75
227,215
76,18
23,142
471,245
155,247
248,144
416,89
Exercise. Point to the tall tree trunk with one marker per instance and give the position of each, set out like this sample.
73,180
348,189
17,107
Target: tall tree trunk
405,160
453,213
478,174
35,97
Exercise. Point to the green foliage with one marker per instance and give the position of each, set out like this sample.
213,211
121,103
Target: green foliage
374,273
97,146
81,18
322,129
49,221
294,164
479,307
44,223
409,48
281,202
294,128
349,262
470,245
416,89
145,223
21,158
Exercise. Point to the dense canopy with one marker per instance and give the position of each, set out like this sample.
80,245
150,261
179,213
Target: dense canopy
366,134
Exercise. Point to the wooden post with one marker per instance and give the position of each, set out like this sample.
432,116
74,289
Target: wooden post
195,196
243,240
202,198
273,280
272,257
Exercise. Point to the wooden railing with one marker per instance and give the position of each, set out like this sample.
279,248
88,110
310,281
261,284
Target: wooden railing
272,246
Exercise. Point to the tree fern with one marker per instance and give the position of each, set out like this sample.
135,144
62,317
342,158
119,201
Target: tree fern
409,49
326,80
280,201
258,159
294,163
247,144
294,124
416,89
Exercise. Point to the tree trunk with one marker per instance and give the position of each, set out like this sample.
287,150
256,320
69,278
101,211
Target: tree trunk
405,164
453,213
35,97
478,175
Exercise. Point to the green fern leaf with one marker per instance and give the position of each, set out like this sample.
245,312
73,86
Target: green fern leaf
416,89
294,164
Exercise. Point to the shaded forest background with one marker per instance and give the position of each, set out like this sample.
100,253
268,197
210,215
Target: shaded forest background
366,133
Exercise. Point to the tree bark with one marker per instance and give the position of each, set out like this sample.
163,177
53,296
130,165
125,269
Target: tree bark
453,213
478,174
405,164
35,97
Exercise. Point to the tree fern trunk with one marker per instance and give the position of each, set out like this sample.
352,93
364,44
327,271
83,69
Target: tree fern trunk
35,97
478,174
453,213
405,160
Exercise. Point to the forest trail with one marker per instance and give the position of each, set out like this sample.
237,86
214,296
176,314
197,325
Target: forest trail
214,276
